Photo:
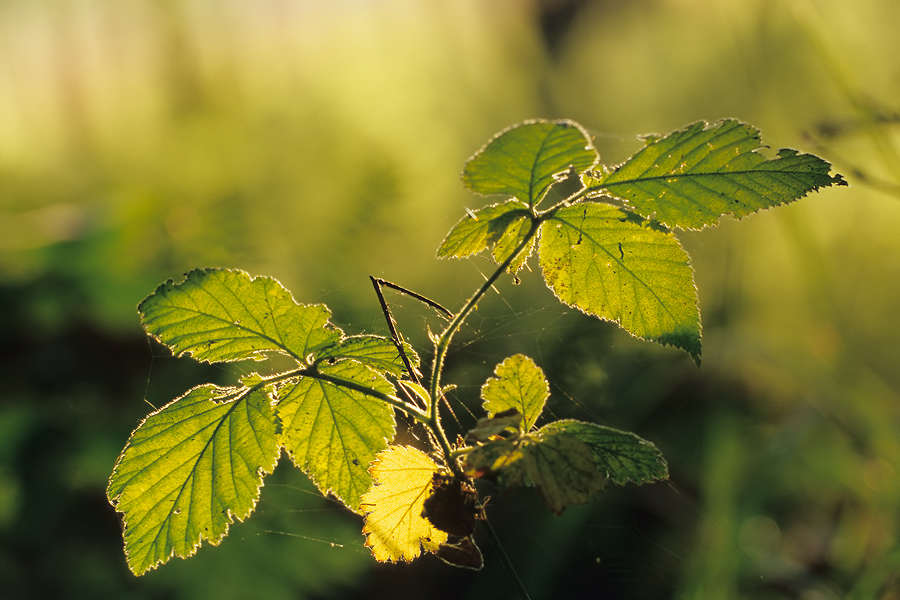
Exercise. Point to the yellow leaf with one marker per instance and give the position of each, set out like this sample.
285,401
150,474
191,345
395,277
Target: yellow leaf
395,529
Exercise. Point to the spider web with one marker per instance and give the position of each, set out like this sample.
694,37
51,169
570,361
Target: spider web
518,316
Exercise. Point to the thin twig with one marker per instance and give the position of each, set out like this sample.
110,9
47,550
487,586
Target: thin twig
392,326
412,294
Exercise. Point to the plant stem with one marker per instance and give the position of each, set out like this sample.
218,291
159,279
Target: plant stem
443,343
414,411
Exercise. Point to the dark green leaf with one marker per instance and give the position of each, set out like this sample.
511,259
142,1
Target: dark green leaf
596,258
560,465
521,161
192,468
691,177
220,315
623,457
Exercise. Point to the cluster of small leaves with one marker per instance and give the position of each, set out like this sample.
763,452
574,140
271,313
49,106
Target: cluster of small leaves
604,238
604,243
568,461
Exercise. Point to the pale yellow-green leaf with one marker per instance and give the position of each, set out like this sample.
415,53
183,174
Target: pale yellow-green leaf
519,384
512,237
395,528
607,263
223,315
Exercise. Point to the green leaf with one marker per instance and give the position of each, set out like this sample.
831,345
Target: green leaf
499,461
192,468
622,456
481,229
514,236
521,161
562,467
487,428
559,464
332,429
692,177
225,315
519,384
598,259
374,351
395,528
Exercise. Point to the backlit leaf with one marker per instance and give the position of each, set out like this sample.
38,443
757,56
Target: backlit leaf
691,177
192,468
521,161
488,427
562,467
225,315
481,229
559,464
514,236
622,456
395,528
500,461
519,384
599,260
372,350
333,431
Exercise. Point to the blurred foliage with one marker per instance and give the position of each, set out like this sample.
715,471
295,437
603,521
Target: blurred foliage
320,143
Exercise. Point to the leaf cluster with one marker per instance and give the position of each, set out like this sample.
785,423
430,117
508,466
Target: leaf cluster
604,241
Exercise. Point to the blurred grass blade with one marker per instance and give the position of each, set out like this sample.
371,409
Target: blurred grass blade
608,263
333,431
692,177
220,315
521,161
192,468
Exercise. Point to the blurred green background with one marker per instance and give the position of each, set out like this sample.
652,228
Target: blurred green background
321,142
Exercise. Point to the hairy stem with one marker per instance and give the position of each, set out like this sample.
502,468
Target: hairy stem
443,342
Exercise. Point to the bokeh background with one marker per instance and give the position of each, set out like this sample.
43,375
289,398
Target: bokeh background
321,142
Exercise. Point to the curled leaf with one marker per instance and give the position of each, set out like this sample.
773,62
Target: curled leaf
560,465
